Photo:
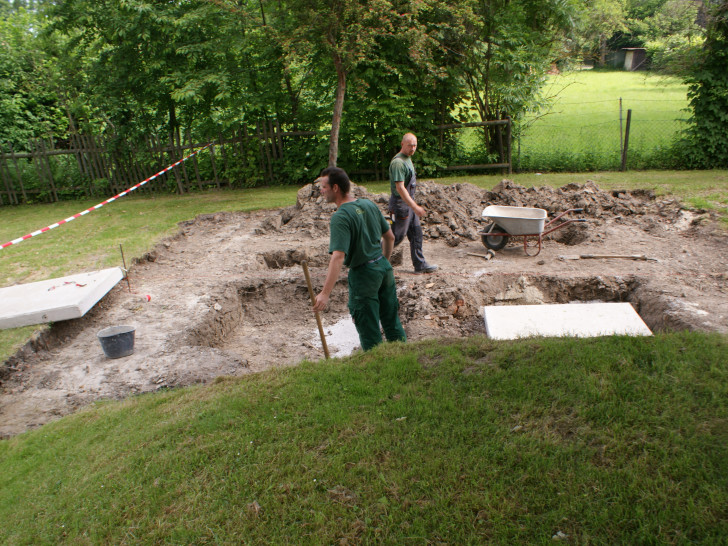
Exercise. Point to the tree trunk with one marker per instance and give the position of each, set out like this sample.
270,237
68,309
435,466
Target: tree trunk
172,119
602,51
338,109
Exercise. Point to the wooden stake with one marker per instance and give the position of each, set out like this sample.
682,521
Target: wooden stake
304,264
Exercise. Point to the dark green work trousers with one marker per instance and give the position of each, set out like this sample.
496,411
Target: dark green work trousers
373,299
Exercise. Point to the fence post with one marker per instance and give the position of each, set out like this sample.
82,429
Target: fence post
621,128
626,141
8,183
18,174
509,142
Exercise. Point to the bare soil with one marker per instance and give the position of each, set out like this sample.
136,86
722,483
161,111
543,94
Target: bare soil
228,294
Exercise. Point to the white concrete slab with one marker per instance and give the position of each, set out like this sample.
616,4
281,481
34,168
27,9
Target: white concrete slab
55,299
561,320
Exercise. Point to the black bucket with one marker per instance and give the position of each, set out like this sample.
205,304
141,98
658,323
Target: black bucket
117,341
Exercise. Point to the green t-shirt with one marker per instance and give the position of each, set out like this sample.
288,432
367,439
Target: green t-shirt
356,229
400,169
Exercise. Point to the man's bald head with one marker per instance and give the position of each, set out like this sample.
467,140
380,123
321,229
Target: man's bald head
409,144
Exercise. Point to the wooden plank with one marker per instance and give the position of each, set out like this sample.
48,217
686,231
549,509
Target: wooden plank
38,168
194,164
224,159
7,180
177,177
472,124
88,188
279,137
47,166
473,167
509,144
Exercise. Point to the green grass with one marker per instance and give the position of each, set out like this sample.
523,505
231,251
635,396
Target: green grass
581,131
609,441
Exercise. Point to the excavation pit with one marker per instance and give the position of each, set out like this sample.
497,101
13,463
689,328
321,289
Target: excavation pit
219,308
272,321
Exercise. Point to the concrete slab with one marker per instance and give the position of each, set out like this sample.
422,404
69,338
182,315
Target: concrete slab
55,299
560,320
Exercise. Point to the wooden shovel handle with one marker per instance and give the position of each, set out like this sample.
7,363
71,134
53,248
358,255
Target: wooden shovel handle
304,264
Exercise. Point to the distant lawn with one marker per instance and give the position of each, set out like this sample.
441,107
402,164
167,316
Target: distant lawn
581,131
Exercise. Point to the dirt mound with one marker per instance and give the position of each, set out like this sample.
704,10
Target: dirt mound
454,211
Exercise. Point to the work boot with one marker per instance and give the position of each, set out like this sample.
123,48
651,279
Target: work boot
427,269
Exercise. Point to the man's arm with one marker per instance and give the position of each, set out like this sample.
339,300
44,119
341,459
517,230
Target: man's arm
407,198
387,243
335,263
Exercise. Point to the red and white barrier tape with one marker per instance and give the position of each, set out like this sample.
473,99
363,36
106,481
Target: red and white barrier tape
122,194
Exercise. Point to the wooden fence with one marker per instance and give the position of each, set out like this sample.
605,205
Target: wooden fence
92,166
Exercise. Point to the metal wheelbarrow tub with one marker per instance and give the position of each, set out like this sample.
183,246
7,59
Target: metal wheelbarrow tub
520,221
517,220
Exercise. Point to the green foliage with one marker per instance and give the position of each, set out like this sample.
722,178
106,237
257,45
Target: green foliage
596,23
29,106
707,137
672,36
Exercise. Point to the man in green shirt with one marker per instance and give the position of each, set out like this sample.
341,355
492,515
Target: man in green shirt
362,240
405,211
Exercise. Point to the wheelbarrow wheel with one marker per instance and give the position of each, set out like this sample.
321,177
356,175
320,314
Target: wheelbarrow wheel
494,242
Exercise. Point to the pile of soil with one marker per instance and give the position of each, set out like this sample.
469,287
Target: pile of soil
228,296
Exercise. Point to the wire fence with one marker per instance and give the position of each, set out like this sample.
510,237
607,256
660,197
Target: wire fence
585,136
592,136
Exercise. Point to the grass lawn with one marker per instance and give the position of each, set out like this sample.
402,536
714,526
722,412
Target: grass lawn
603,441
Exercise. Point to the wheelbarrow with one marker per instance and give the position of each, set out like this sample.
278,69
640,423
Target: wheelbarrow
506,222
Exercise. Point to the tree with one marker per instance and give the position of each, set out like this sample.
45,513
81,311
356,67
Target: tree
343,31
148,61
600,19
29,105
506,47
708,96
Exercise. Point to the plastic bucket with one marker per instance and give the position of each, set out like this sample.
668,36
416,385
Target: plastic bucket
117,341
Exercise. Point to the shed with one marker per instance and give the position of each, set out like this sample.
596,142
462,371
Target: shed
634,58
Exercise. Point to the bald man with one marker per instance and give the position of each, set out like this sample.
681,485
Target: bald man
406,213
